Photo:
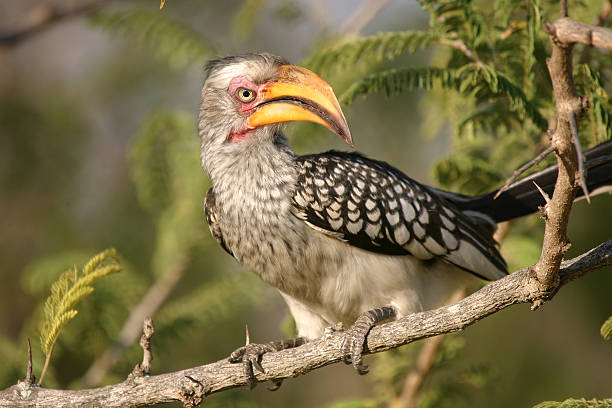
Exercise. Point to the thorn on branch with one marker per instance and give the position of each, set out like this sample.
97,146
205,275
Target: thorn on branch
30,378
248,335
276,384
550,30
543,210
144,368
536,304
523,168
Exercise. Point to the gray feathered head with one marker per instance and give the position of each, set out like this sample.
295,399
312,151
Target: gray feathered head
245,97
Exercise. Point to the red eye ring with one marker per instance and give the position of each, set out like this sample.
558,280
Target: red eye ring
245,95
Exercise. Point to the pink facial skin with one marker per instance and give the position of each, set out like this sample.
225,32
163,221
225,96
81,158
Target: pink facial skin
234,85
242,82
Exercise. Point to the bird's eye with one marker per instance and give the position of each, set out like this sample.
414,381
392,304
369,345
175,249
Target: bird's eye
245,95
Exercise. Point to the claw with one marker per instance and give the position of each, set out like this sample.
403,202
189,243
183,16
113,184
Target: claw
250,356
352,348
276,385
355,337
255,362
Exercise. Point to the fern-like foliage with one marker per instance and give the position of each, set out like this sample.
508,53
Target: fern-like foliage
380,47
170,183
67,291
399,80
172,41
458,18
606,329
576,403
471,79
589,82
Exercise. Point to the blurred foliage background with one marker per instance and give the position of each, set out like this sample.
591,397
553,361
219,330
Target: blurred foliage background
99,149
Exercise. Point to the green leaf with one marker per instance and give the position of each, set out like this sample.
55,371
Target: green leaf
376,48
469,80
606,329
170,183
576,403
70,289
590,83
398,80
154,169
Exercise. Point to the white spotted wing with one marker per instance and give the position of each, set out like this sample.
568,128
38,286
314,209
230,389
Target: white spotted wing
374,206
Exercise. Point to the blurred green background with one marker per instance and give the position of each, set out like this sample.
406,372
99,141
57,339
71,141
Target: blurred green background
98,149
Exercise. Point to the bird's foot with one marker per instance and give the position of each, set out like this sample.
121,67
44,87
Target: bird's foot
355,336
250,355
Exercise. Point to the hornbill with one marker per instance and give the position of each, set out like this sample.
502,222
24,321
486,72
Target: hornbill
344,238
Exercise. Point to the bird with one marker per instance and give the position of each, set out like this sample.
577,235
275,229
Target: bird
346,240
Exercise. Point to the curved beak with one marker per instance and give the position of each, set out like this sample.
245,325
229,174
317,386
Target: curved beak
299,94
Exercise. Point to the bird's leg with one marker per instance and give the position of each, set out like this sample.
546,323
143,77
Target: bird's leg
250,356
354,340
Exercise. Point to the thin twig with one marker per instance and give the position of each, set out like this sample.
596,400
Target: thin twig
29,376
523,168
144,368
46,366
503,228
44,16
414,380
460,45
563,9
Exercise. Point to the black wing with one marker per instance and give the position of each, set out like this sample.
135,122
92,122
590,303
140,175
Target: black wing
211,219
376,207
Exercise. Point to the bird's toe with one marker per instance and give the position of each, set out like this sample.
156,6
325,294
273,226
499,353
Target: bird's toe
250,356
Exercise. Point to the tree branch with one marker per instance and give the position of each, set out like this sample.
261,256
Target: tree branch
569,32
569,107
43,16
191,385
606,9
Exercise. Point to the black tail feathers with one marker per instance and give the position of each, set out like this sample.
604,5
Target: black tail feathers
522,197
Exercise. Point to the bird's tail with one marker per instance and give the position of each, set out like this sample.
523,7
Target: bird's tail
522,197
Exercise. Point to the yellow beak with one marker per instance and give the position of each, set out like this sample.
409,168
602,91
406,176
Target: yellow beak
299,94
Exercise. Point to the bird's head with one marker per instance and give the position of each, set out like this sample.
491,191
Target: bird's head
246,97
